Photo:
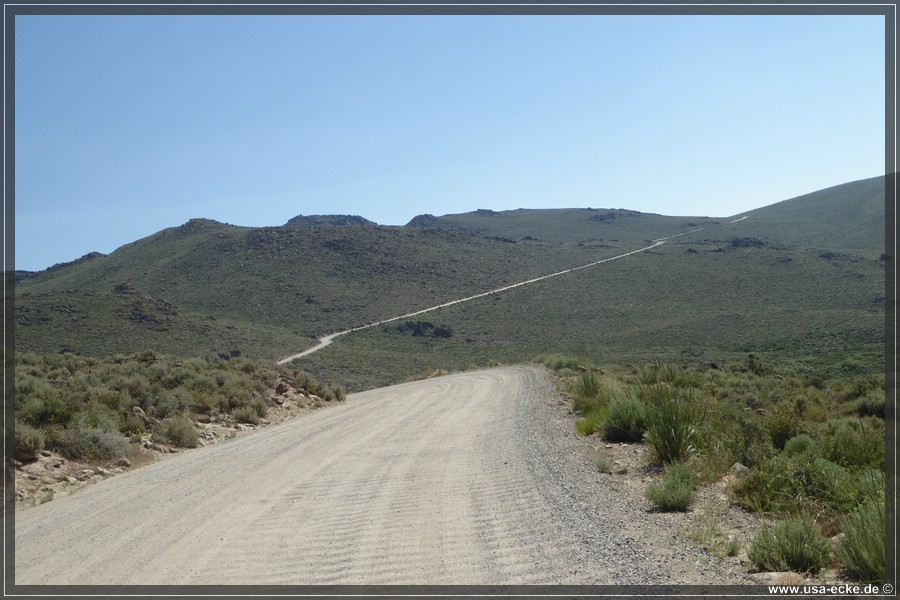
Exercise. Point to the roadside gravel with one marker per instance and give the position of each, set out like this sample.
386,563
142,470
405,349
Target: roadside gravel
614,538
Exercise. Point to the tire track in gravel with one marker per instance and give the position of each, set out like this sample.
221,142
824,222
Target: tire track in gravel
464,479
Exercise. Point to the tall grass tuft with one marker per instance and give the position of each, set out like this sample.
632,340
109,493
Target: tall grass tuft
672,417
588,384
592,421
862,549
782,425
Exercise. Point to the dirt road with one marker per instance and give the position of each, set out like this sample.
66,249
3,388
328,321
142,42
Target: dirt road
326,340
463,479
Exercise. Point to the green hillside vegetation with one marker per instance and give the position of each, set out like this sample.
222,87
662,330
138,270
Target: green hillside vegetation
811,440
844,218
209,287
566,224
716,288
126,320
707,299
89,408
848,217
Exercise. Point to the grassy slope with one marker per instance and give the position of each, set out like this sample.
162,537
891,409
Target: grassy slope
848,217
268,291
568,224
703,295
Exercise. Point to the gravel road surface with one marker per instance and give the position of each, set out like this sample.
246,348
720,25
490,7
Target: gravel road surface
471,478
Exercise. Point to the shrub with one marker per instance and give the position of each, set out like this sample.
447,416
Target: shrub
260,406
734,436
797,445
131,423
603,463
203,385
853,443
754,365
676,491
78,443
246,414
83,405
755,445
829,483
625,420
862,549
340,393
758,491
201,401
870,405
782,425
558,362
96,416
795,544
180,431
661,372
671,426
797,483
29,441
45,410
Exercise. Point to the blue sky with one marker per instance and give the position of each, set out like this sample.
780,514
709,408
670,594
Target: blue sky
126,125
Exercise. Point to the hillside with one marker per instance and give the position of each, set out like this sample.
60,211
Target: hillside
848,217
210,287
773,282
705,300
565,224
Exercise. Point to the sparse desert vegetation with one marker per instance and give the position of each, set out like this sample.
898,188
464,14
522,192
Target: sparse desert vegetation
89,407
799,443
99,412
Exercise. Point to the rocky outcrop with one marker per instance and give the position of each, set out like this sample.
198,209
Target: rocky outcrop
328,221
424,329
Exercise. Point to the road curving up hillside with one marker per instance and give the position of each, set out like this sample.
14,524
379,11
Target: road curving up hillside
326,340
464,479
